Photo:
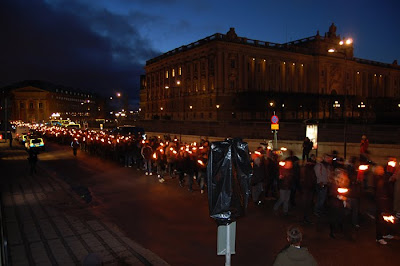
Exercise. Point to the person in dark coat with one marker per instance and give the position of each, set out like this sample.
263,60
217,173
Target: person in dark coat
147,153
307,147
286,178
258,178
32,159
307,184
337,201
294,253
271,176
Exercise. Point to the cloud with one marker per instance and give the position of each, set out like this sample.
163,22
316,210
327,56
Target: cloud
73,44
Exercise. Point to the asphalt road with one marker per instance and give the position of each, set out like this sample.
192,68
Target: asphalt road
174,223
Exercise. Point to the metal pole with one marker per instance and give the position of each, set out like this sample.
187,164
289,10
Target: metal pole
345,109
228,247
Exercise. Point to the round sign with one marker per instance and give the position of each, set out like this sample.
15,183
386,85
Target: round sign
274,119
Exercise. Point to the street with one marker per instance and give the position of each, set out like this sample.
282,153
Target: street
175,224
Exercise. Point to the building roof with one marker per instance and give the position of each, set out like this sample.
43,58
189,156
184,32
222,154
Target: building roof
44,85
310,45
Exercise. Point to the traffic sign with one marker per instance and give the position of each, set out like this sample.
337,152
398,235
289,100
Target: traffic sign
274,119
274,126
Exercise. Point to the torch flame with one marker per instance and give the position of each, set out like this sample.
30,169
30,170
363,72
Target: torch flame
342,190
200,162
283,149
282,163
154,155
392,163
389,218
257,152
363,167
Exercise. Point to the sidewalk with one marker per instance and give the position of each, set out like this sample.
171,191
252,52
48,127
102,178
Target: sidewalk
46,223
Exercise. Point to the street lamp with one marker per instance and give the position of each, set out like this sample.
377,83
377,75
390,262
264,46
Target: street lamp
348,41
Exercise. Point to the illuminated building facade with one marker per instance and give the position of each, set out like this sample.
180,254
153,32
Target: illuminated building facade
225,77
38,101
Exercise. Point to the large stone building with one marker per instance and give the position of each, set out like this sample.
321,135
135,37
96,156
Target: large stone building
225,77
38,101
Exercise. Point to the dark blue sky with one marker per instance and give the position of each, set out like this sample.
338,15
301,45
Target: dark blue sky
102,45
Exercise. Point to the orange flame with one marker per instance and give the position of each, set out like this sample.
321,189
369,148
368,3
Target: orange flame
392,163
363,167
282,163
342,190
389,218
200,162
154,155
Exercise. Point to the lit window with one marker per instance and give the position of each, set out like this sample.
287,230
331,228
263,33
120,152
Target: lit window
180,71
166,74
173,72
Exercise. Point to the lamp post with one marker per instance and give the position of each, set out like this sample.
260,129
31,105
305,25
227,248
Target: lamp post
349,41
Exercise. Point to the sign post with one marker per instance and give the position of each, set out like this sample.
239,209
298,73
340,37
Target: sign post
275,128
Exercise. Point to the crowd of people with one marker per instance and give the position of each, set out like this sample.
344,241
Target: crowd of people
330,187
160,156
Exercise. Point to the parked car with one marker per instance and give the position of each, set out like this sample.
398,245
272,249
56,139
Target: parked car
35,143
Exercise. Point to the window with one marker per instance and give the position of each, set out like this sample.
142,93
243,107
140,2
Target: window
233,63
180,71
30,105
166,74
22,105
173,72
40,105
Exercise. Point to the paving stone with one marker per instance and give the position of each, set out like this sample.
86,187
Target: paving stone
76,246
39,212
47,229
91,240
24,213
59,251
30,231
39,254
80,228
63,227
9,214
95,225
7,200
14,234
18,255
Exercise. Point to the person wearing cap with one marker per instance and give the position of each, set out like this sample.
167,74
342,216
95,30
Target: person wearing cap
294,254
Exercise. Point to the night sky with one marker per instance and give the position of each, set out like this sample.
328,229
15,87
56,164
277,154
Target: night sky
102,45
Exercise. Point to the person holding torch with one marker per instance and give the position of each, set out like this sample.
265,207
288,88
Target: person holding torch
384,203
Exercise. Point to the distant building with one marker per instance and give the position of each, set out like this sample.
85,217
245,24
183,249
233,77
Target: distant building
225,77
38,101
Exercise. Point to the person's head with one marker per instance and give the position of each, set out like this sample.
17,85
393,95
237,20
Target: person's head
364,137
327,158
294,235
